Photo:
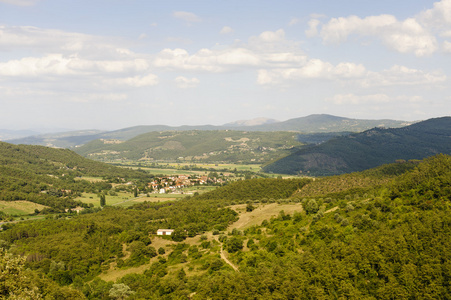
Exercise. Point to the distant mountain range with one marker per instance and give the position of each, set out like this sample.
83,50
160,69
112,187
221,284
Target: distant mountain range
6,134
210,146
368,149
311,124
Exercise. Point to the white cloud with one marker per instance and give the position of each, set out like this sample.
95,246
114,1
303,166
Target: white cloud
313,28
58,64
403,76
186,16
185,83
311,69
347,99
439,16
272,36
41,40
136,81
206,59
447,47
406,36
293,21
226,30
343,99
21,2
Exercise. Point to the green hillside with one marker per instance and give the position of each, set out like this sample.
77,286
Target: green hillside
327,123
390,240
195,146
49,176
310,124
360,151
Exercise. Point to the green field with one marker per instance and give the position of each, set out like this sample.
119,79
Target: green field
19,207
127,199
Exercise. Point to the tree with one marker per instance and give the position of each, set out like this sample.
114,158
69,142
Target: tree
102,200
15,282
120,291
234,244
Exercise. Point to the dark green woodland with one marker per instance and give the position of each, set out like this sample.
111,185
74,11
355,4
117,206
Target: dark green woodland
383,233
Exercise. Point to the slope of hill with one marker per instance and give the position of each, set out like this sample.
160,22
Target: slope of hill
392,243
6,134
46,175
360,151
204,146
309,124
327,123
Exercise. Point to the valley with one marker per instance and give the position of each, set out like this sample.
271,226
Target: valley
77,228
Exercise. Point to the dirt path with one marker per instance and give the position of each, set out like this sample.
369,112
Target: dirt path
228,261
224,257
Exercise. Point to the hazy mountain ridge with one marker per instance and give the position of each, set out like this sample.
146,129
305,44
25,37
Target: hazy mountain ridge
368,149
314,123
7,134
195,145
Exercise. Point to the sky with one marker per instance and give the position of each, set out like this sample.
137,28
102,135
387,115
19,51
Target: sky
111,64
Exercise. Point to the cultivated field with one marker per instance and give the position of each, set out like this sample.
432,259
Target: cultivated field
19,207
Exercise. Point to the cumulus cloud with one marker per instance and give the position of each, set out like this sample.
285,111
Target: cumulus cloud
403,76
272,36
186,16
311,69
226,30
406,36
439,16
206,59
58,64
185,83
312,28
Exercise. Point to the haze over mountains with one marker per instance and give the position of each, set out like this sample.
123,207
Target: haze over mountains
309,124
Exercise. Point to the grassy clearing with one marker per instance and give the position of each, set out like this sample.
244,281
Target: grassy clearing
90,179
127,199
260,213
247,219
19,207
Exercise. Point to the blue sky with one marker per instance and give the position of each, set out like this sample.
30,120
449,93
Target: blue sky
113,64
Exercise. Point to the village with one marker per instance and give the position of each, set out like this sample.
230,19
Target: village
176,183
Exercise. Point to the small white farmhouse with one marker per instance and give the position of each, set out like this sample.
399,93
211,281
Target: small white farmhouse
165,231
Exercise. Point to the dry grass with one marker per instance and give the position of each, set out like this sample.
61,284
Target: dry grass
20,207
247,219
260,213
115,274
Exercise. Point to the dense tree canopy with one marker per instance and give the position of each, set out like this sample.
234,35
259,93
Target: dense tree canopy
391,240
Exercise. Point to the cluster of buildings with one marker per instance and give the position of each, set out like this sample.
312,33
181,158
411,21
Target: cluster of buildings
168,184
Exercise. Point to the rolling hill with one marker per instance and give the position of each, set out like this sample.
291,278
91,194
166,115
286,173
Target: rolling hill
47,176
309,124
371,148
388,239
195,145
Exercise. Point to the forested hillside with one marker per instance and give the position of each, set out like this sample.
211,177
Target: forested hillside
384,237
309,124
48,176
195,146
369,149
